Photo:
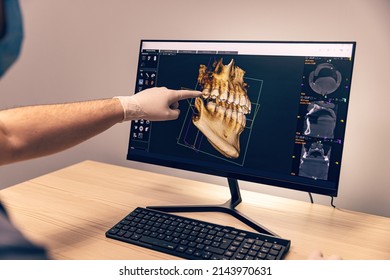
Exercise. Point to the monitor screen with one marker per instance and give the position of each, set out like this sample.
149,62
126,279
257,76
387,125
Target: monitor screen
271,112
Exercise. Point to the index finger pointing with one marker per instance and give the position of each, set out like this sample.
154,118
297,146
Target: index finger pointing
184,94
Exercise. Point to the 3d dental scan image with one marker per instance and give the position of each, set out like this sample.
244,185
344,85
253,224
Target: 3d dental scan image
223,118
219,123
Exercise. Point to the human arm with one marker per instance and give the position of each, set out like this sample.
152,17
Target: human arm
35,131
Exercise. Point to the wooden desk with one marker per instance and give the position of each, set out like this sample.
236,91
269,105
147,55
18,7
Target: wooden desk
69,211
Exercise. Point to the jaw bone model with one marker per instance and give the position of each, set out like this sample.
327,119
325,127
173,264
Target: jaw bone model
223,119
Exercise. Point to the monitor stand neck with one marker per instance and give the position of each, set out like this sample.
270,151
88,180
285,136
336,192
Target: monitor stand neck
227,207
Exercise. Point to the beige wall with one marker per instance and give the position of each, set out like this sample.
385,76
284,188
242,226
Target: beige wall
87,49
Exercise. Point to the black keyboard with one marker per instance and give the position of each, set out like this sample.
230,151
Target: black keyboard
194,239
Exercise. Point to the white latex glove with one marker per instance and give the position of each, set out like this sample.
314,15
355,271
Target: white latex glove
155,104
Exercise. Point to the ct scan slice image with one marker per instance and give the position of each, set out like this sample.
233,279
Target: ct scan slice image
325,79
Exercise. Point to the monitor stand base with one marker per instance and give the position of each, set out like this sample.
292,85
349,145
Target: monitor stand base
228,207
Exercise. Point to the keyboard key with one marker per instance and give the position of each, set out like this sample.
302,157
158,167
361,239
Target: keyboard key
159,243
225,244
214,250
190,251
181,248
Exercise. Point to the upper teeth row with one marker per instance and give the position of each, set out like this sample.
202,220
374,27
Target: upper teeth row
241,101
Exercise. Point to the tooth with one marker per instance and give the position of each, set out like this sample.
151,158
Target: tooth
243,100
245,109
234,116
206,93
224,96
214,93
241,119
231,97
237,98
224,90
228,114
221,111
249,105
211,106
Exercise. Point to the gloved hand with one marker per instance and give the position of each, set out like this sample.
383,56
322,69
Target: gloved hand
155,104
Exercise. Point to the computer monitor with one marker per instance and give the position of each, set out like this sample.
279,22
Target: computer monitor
271,112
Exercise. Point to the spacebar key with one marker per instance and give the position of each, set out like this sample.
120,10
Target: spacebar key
214,250
158,242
